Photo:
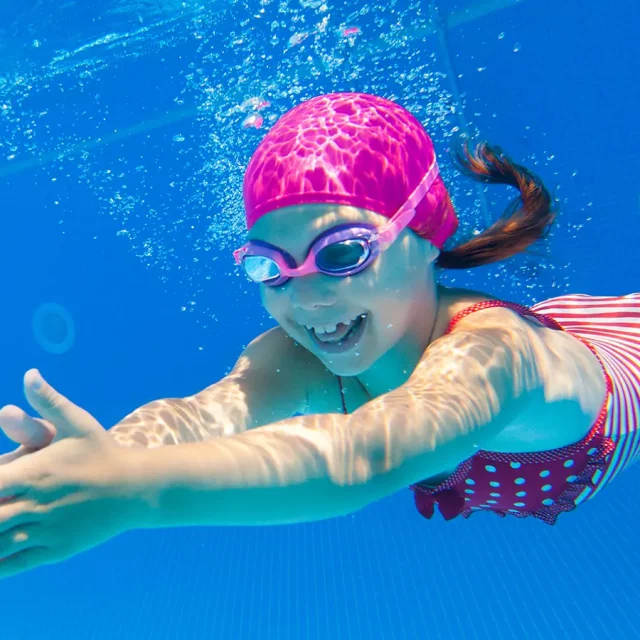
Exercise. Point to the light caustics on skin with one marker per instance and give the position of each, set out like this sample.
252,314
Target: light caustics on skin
219,410
499,365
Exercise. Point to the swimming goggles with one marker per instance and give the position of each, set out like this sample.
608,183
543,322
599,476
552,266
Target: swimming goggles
343,250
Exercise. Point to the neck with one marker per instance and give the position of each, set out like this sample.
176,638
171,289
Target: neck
394,368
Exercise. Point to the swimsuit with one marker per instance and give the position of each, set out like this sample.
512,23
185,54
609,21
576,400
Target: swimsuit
544,484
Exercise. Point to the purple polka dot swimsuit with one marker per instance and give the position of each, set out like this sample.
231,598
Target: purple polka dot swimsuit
546,483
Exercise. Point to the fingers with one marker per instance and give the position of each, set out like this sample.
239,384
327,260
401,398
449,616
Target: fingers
24,560
18,511
20,427
17,539
69,419
31,433
6,458
16,479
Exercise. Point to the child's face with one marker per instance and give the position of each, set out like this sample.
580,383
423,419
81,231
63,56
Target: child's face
396,295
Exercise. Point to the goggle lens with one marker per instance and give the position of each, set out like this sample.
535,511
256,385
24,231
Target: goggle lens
343,256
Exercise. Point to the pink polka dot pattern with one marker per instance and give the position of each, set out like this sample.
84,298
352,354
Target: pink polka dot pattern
541,484
350,149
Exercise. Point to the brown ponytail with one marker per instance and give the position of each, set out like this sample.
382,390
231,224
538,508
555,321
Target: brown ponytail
526,220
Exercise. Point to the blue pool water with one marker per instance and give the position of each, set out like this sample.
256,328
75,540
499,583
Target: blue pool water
125,126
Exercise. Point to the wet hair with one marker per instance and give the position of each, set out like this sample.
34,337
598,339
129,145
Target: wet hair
526,220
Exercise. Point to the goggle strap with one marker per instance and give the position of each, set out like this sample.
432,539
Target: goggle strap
403,216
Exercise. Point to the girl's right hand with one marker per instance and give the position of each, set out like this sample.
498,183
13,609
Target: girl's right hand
30,433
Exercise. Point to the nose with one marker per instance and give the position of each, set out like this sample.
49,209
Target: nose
310,293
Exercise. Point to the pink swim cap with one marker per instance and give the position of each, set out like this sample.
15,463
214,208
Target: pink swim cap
348,149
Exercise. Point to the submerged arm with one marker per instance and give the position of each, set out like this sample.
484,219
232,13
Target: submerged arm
463,392
219,410
259,390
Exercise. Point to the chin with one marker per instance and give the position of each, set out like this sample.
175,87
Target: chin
346,368
352,363
347,364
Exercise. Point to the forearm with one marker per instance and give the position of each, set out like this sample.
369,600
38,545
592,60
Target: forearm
320,466
296,470
301,469
175,421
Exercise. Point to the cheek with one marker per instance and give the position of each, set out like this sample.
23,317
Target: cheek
269,301
397,295
274,302
391,287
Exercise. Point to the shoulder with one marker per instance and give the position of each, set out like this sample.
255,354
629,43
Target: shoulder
278,364
451,302
275,351
559,379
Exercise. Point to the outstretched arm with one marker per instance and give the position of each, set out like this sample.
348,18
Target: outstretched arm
464,391
266,384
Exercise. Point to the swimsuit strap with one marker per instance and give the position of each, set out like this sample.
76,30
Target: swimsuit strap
341,390
547,321
488,304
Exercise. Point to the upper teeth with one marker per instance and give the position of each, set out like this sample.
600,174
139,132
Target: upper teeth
330,328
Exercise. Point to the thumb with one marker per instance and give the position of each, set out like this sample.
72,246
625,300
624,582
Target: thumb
69,420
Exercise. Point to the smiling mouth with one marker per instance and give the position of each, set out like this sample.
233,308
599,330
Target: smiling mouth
343,338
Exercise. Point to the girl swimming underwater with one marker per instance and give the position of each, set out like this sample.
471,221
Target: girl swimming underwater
376,377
